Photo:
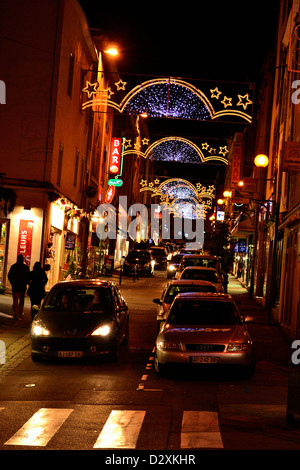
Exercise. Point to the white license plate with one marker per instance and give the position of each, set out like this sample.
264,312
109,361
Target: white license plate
205,359
70,354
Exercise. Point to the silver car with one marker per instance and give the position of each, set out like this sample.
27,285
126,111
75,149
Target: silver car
204,329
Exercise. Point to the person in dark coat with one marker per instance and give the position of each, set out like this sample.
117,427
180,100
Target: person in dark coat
18,276
36,289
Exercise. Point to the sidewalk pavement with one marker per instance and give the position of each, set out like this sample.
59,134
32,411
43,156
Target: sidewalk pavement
271,343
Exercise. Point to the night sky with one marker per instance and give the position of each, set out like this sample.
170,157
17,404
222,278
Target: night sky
207,40
216,40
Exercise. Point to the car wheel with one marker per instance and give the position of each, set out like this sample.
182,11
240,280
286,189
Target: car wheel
248,371
126,337
36,358
160,369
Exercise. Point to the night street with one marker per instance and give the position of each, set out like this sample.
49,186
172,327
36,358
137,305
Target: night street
225,411
150,229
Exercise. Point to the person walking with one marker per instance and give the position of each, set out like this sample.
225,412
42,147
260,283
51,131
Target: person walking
18,276
36,290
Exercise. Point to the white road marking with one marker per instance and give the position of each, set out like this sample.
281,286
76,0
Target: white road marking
40,428
200,429
121,430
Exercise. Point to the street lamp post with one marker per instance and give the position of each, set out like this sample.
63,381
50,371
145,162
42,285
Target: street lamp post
261,161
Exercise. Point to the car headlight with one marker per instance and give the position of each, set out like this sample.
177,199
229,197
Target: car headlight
39,329
103,330
171,267
169,345
235,347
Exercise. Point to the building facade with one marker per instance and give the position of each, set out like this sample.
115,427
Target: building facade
49,180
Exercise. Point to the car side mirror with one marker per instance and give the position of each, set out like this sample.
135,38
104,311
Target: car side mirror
157,301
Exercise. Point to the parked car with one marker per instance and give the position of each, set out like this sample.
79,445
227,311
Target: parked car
173,265
204,274
80,319
141,260
206,261
204,329
160,257
176,287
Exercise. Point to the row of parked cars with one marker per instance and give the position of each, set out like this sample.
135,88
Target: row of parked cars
197,322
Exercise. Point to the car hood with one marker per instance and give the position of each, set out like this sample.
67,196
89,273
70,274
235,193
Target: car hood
59,323
203,334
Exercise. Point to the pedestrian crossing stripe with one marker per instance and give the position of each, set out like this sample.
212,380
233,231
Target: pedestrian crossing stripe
121,430
40,428
200,429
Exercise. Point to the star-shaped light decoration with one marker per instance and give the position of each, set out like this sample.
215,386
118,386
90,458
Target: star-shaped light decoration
226,101
137,145
145,141
223,150
215,93
244,101
91,88
108,93
143,183
121,85
127,143
205,146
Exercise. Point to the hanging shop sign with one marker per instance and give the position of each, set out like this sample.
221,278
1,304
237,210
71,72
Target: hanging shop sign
25,240
115,182
110,194
115,156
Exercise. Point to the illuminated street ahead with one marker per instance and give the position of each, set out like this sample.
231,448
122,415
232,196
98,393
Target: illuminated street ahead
76,406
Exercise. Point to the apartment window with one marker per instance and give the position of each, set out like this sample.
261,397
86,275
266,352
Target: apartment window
60,163
76,168
71,73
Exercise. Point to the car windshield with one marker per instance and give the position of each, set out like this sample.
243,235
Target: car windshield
203,262
90,299
193,312
174,290
176,259
159,251
200,275
143,255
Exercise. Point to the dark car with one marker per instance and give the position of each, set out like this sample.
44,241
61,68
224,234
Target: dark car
80,319
206,261
173,265
160,257
140,260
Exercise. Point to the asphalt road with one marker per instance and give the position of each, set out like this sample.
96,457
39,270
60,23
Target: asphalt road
124,406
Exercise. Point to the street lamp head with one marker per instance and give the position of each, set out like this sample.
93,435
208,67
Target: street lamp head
112,50
261,161
227,194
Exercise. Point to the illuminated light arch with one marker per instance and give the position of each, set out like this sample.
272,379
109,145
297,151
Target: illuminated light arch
170,97
186,151
177,192
167,89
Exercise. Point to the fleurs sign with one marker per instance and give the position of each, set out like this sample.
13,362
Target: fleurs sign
25,240
115,156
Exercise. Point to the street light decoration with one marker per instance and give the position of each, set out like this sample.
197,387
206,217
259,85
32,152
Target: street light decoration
261,161
181,197
173,98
